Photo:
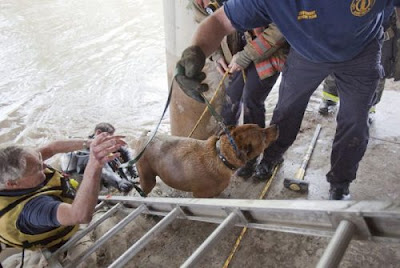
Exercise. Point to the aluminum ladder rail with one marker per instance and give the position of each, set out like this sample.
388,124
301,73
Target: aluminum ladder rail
342,220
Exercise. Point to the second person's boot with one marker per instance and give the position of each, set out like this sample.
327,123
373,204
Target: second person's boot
265,169
248,170
326,106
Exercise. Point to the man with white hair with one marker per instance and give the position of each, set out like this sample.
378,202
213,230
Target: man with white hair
39,207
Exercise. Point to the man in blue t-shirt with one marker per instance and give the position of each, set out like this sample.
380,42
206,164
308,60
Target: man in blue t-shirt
341,38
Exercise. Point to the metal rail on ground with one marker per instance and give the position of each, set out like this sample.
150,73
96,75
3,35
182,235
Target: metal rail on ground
342,220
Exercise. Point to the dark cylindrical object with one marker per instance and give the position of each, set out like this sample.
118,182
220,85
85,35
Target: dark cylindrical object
214,5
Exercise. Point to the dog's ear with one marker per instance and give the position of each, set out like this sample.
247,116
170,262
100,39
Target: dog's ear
272,133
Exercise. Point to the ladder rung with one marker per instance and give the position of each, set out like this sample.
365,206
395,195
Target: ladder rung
345,220
225,226
308,217
107,235
99,205
337,246
142,242
87,230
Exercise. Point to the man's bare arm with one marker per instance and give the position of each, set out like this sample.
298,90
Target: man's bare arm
82,208
63,146
211,32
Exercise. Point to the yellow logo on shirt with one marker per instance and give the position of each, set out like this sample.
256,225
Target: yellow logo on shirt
307,15
361,7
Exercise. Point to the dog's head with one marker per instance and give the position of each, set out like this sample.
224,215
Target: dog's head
252,140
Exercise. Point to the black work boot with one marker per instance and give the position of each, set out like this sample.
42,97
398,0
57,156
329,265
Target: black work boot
326,106
248,170
265,169
339,192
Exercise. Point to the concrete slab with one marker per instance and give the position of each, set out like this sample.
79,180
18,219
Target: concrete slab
378,173
378,179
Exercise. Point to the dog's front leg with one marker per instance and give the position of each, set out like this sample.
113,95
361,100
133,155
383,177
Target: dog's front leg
147,177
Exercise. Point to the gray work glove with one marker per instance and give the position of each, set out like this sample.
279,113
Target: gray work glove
188,73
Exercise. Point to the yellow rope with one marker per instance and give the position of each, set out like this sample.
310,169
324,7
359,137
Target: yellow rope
211,102
244,230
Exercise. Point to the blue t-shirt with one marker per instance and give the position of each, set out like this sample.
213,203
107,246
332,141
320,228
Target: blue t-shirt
322,30
39,215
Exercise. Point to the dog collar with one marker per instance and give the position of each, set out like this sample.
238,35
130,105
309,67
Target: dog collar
223,159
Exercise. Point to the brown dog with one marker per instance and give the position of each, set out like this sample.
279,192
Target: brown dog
198,166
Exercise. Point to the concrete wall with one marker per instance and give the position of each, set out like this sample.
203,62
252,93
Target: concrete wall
180,26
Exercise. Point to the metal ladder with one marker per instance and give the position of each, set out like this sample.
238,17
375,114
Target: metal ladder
342,220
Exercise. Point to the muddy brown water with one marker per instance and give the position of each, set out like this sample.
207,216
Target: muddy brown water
68,65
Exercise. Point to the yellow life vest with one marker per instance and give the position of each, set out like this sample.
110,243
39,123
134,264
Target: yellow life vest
12,203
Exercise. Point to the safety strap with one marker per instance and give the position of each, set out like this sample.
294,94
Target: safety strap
18,201
23,258
66,230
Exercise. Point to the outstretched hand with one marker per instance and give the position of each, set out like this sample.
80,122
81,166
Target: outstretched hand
104,148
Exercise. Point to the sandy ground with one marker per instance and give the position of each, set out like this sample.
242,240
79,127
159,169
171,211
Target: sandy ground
377,180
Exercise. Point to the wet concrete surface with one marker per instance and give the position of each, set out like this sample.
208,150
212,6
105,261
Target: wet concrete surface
377,179
378,174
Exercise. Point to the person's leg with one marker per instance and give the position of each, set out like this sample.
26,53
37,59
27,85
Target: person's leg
376,100
379,91
300,78
254,95
231,107
329,96
330,87
387,60
357,81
